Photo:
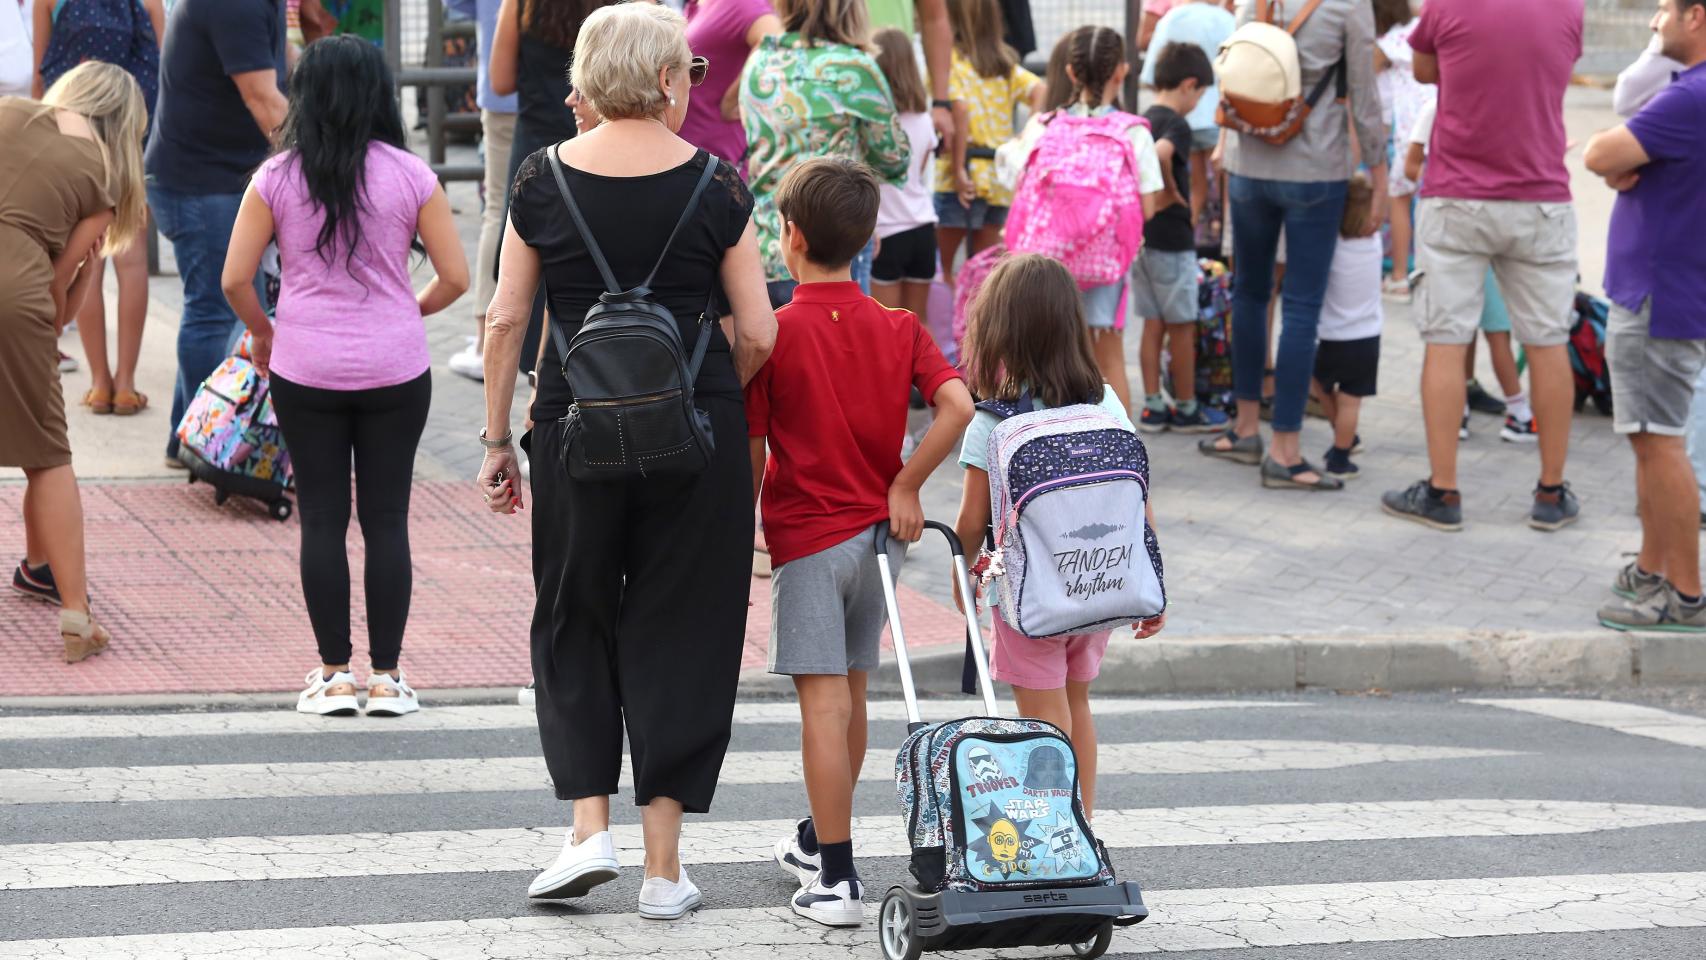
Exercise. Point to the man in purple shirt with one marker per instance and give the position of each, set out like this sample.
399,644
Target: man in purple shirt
1496,195
1655,275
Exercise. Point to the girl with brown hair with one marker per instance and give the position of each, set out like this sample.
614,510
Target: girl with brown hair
905,263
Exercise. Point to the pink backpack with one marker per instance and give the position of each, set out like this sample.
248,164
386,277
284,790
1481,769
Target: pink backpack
1078,199
967,283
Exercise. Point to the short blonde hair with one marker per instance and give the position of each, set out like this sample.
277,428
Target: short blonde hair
110,100
618,55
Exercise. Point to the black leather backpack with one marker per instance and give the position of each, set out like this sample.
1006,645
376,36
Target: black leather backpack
633,413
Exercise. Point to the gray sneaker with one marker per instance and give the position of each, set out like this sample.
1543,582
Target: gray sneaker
1243,450
1554,511
1662,609
1632,582
1415,503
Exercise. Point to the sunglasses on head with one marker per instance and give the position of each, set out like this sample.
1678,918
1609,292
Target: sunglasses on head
696,70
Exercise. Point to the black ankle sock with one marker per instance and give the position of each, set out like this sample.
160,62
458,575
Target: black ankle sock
1693,601
1438,493
837,863
808,837
1552,488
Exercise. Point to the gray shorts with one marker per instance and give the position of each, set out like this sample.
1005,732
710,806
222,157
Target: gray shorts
1531,248
1166,285
1652,379
827,610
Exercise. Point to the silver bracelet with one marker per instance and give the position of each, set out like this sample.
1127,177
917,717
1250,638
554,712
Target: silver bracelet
495,444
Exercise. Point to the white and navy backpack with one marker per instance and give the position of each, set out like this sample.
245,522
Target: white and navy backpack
1072,549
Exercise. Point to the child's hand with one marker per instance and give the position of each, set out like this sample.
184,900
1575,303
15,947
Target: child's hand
959,601
906,515
966,190
1144,629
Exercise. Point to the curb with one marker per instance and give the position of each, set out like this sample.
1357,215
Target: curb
1280,662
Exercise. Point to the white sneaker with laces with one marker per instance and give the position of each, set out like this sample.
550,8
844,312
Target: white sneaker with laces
833,905
402,699
316,699
795,862
469,362
525,696
579,868
662,899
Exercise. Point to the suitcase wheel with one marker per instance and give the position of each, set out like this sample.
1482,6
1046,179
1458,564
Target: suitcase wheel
280,509
900,941
1097,945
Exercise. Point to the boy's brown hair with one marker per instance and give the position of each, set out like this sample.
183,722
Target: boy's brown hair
1026,331
900,67
832,202
1359,200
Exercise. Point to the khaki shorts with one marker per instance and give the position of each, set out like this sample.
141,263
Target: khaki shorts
1652,378
1531,248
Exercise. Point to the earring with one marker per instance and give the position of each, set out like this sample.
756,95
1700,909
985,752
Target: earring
672,101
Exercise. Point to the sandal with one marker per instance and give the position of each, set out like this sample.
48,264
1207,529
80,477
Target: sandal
1238,449
83,637
1280,477
395,699
128,403
98,401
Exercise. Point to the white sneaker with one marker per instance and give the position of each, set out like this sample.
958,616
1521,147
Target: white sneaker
524,696
835,905
402,700
799,865
579,868
469,362
315,699
662,899
67,362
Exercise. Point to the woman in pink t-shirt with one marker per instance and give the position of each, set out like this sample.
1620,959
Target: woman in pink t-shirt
348,364
723,32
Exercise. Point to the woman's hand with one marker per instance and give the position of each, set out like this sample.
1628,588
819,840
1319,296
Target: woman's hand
1144,629
497,480
260,350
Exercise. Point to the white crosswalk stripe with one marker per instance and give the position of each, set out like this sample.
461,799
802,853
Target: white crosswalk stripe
493,717
193,860
1629,718
1212,919
230,781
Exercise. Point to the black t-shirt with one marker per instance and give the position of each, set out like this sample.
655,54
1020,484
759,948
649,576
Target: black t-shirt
205,141
1171,228
630,218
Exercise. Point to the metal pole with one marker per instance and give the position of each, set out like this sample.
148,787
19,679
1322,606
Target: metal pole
1134,53
393,35
435,92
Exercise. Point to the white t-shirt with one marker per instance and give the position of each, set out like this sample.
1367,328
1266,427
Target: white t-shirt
1351,308
17,54
1012,156
1423,131
906,207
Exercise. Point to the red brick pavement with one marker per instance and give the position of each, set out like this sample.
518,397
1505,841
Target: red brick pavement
202,598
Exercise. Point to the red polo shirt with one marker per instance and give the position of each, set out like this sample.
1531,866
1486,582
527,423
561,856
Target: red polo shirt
832,402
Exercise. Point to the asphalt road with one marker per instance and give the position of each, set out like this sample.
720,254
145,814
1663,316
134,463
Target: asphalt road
1295,827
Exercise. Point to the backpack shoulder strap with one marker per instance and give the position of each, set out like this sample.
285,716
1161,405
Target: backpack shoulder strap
1297,21
1003,409
610,283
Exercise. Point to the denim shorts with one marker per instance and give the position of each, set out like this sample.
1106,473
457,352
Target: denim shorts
1102,307
954,215
1166,285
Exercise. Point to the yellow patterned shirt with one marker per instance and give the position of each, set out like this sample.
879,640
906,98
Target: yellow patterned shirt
990,102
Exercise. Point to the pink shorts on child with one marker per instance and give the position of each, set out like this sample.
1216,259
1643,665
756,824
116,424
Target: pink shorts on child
1046,664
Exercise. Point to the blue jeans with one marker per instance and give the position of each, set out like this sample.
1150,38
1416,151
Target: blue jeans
862,265
1696,438
1310,214
199,227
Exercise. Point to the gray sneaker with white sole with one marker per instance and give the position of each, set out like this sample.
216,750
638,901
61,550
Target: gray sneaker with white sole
1661,610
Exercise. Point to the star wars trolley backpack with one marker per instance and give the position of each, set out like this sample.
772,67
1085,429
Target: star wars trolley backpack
1072,550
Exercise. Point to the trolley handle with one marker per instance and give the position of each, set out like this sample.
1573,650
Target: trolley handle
974,633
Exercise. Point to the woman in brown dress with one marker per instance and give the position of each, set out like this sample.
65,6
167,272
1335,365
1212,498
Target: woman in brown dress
70,181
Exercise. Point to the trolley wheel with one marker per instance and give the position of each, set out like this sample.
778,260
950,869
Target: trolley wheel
280,509
895,930
1096,945
220,496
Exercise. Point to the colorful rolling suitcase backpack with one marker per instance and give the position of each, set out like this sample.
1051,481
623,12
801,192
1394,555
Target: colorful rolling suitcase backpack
230,438
1214,338
1002,854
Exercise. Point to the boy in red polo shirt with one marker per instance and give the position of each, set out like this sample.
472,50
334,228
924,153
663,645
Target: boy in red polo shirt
831,406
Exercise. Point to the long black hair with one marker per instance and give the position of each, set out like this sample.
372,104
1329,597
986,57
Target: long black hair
341,100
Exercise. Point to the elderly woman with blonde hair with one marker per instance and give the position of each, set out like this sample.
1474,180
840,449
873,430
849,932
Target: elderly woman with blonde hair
70,192
640,620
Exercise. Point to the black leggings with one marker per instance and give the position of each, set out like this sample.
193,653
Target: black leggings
641,617
381,427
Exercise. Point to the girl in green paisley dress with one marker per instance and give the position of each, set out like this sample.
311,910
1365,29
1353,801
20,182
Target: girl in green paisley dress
815,91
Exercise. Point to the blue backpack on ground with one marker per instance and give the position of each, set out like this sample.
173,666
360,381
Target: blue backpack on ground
1073,551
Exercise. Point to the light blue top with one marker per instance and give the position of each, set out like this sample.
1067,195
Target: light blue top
1207,26
974,450
486,12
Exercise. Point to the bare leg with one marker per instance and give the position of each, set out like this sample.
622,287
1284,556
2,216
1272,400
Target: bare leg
1182,348
1049,706
826,733
660,823
857,734
35,548
1344,416
1400,221
949,240
1443,393
984,238
131,270
1554,393
592,815
53,520
1504,363
1670,511
1326,398
1110,359
1199,183
915,297
1273,311
92,331
887,294
1083,734
1149,356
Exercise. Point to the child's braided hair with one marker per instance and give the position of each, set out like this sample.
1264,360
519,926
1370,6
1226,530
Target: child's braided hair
1096,55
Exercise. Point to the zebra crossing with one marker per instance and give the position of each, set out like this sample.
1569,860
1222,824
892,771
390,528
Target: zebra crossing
1295,824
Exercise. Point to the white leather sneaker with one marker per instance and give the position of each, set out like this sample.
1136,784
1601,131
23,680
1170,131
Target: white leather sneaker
332,696
793,860
579,868
662,899
400,700
469,362
833,905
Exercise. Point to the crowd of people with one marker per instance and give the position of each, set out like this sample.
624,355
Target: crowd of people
776,186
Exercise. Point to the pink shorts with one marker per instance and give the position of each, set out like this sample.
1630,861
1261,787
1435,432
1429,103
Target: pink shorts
1046,664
